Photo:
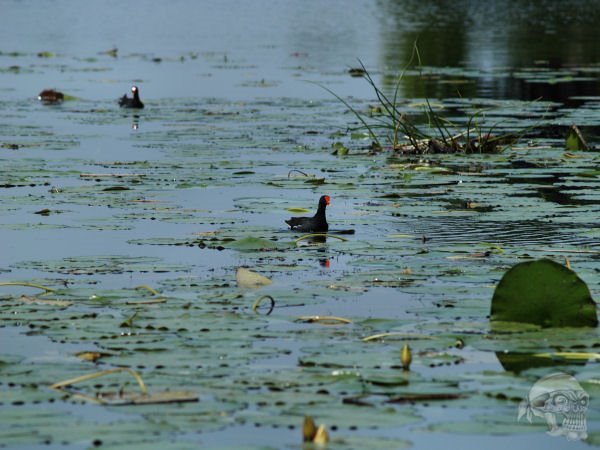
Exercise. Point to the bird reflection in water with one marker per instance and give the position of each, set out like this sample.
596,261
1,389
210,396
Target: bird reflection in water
326,263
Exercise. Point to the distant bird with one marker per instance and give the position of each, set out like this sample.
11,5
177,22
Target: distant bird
50,96
317,223
135,102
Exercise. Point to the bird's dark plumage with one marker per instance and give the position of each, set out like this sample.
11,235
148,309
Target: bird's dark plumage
133,102
317,223
50,96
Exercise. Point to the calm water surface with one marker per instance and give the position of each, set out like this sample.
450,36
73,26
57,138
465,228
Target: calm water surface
233,75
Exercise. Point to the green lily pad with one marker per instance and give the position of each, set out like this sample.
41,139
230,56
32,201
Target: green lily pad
543,293
251,243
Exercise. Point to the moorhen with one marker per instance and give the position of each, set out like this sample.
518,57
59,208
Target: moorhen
134,102
316,223
50,96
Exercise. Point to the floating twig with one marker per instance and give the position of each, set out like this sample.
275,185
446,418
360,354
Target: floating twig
299,171
121,398
90,376
152,301
324,320
378,336
148,288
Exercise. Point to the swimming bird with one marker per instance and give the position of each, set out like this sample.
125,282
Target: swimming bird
317,223
134,102
50,96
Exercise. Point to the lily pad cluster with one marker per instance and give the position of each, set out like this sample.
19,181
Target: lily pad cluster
196,192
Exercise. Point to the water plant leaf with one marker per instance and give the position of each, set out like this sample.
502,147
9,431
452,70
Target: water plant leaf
574,140
339,149
543,293
251,243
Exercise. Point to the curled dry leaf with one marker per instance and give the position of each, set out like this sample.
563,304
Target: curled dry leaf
322,436
248,279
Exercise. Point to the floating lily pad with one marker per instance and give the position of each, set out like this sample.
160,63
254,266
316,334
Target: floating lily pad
102,265
543,293
251,243
211,181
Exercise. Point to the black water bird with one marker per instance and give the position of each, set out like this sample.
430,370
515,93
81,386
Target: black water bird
135,102
50,96
315,224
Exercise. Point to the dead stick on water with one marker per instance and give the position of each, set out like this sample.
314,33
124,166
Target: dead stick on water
152,291
153,301
91,376
379,336
324,320
148,288
296,170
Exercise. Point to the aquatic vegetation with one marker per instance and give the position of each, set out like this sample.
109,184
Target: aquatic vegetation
575,140
393,124
128,233
543,293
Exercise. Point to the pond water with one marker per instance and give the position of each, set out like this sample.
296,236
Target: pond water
239,133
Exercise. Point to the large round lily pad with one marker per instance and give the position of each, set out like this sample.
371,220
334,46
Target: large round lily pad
543,293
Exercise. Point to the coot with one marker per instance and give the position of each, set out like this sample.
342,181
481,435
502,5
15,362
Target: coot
135,102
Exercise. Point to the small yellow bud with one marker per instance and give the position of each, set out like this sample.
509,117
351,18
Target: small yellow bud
405,357
309,430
